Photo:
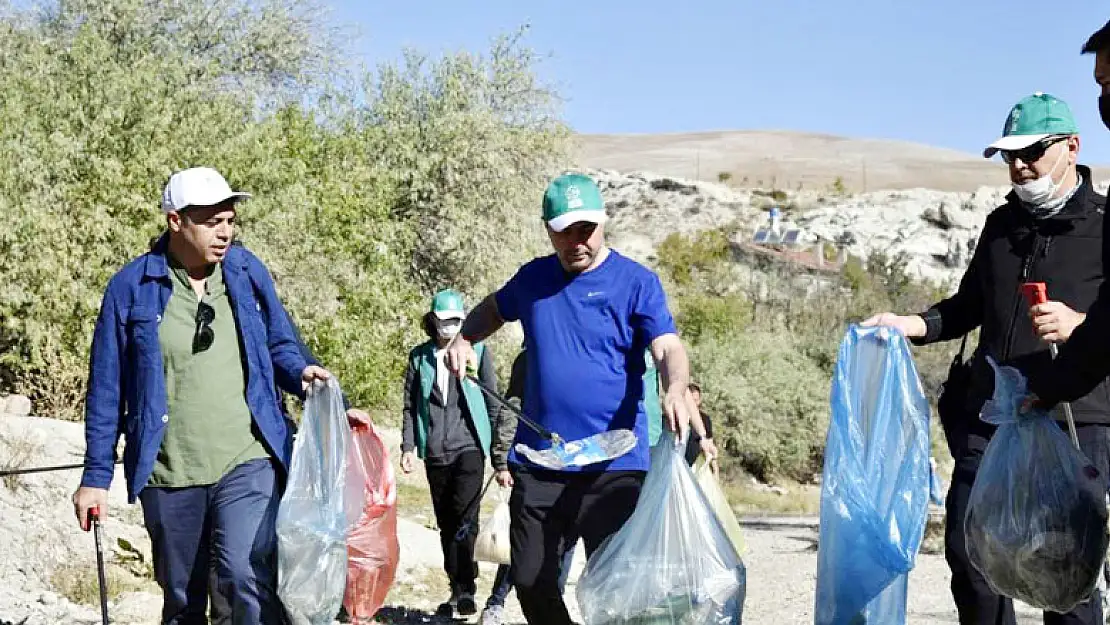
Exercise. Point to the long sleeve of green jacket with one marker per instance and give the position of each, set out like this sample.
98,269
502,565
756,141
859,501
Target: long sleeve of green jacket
505,427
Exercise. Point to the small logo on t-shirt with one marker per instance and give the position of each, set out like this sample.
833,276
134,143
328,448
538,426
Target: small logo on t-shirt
595,293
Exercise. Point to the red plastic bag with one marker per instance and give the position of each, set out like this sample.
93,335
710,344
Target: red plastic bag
372,547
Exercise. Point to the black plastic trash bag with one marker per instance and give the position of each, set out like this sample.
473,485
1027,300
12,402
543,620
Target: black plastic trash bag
1036,518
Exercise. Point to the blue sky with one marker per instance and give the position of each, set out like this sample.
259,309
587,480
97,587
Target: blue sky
943,72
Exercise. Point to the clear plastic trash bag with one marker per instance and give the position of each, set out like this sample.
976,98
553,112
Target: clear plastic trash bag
875,482
711,488
372,547
492,543
315,512
1036,516
671,562
590,450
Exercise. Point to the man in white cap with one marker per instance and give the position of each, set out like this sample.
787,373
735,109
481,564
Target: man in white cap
189,351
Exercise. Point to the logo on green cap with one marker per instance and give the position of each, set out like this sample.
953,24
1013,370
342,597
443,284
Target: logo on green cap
1033,118
1041,114
572,198
448,304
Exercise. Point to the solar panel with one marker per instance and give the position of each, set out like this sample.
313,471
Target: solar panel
761,235
790,237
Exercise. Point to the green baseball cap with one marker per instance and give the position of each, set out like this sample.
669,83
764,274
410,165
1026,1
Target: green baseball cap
1034,118
448,304
572,198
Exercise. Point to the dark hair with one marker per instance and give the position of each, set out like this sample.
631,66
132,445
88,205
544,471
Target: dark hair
1098,42
694,386
429,325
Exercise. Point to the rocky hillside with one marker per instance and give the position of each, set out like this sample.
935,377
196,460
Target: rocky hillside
796,160
935,230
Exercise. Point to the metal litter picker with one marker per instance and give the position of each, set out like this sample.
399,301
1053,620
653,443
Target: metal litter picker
600,447
94,521
1036,293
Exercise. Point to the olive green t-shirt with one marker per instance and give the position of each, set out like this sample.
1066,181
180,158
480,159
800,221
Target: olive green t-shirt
209,429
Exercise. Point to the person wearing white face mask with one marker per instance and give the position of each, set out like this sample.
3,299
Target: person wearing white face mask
1049,230
446,423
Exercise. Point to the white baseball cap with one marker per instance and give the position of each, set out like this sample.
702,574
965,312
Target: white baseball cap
198,186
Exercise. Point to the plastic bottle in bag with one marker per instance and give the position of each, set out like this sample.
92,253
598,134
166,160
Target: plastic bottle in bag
671,562
875,482
372,548
1036,516
313,516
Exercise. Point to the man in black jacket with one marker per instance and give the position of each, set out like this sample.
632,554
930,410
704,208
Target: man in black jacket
1049,230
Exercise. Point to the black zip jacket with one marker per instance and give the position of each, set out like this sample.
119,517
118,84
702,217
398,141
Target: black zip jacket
1066,252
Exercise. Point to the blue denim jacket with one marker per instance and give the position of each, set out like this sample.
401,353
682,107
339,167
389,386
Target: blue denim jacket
126,392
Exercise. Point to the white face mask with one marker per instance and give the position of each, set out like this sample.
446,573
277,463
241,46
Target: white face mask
1040,192
449,328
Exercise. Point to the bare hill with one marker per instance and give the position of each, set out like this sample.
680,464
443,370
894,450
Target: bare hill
794,160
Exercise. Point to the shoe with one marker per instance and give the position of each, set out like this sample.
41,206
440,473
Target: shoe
493,615
466,605
446,610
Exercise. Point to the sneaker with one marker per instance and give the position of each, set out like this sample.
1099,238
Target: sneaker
447,608
493,615
466,605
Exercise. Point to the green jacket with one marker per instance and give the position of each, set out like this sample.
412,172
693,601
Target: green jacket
422,367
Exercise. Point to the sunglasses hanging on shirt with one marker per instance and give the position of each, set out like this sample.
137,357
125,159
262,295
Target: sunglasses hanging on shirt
204,335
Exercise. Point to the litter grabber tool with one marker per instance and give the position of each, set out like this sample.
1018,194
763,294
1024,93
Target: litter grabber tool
94,522
1036,293
464,529
599,447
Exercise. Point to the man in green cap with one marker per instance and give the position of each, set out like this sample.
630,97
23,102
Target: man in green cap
588,314
446,423
1049,230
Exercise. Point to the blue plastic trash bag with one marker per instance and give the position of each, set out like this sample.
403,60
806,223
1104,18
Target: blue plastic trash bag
316,511
1036,516
671,562
875,484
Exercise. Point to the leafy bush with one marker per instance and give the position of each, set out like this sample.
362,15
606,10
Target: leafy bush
367,196
768,402
681,257
763,344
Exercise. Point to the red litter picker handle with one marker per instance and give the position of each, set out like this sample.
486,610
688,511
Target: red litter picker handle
1034,292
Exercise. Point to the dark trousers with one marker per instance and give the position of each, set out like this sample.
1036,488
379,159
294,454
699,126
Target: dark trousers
503,579
454,487
550,510
228,526
976,603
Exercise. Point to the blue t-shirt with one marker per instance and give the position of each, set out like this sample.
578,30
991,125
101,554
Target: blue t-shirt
586,335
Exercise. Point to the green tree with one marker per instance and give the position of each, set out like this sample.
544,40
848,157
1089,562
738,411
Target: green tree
361,205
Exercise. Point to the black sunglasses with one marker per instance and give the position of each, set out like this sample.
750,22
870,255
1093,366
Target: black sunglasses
1031,153
204,335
